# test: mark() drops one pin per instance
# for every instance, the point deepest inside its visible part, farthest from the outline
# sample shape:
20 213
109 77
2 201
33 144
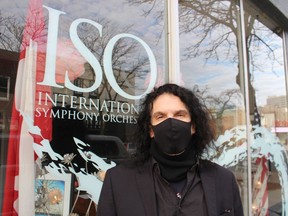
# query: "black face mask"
172 136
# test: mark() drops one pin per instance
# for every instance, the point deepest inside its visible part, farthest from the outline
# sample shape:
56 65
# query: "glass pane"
76 71
211 66
269 149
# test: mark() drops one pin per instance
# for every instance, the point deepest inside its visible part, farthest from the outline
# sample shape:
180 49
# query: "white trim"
247 105
285 55
172 31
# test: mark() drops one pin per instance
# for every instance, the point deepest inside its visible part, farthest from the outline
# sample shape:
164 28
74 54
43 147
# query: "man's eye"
180 114
159 117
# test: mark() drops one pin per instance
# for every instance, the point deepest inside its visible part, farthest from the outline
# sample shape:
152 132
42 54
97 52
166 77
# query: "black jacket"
129 191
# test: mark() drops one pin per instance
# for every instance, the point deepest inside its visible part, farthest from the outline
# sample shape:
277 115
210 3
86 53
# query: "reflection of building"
8 64
274 116
277 101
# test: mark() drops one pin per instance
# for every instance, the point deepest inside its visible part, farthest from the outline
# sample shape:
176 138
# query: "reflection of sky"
14 7
220 74
118 12
268 77
268 84
217 75
121 15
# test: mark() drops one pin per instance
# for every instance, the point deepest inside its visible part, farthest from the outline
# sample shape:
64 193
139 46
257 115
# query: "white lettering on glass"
109 70
50 64
85 52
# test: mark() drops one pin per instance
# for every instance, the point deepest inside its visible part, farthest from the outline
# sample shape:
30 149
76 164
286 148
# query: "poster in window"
53 195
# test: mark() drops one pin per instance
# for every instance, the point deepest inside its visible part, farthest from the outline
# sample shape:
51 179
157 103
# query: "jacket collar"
144 179
207 176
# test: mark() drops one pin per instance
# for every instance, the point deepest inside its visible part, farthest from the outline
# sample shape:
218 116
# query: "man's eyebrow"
158 113
176 112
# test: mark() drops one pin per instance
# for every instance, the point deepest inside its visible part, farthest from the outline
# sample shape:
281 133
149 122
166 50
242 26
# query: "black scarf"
174 168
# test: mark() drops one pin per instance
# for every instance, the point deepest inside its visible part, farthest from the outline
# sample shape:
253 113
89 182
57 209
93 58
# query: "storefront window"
214 66
269 147
73 74
79 70
209 47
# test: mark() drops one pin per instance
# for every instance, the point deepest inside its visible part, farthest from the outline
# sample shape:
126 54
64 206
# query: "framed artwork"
53 194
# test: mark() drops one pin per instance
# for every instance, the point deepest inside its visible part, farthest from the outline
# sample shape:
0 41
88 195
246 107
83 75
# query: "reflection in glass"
76 93
270 178
211 65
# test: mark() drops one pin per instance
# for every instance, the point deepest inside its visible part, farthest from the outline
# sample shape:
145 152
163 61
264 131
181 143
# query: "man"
168 176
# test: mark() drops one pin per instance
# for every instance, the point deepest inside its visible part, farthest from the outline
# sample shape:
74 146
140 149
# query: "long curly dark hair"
201 118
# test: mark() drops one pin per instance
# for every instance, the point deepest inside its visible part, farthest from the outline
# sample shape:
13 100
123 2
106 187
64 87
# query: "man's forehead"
168 101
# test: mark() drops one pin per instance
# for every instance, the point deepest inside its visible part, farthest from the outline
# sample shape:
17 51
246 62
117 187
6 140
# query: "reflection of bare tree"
11 32
225 100
129 60
17 31
205 17
220 18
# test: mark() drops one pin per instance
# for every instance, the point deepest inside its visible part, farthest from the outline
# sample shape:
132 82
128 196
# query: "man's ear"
151 132
193 130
